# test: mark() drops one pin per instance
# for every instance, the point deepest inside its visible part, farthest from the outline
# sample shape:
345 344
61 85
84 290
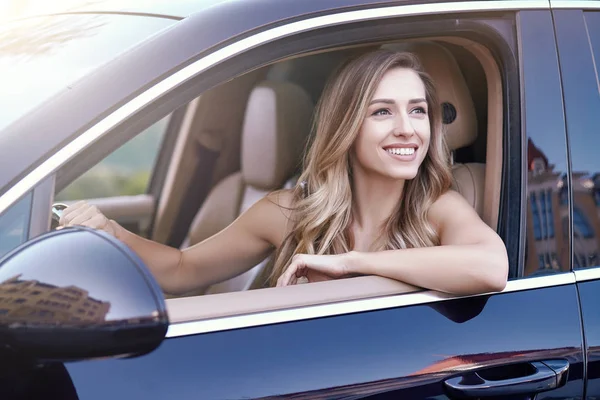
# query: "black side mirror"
78 293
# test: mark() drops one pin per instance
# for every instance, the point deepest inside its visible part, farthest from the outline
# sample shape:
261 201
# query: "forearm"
164 262
210 261
456 269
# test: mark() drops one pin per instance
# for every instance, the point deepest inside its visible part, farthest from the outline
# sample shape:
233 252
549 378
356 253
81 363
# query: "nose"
403 125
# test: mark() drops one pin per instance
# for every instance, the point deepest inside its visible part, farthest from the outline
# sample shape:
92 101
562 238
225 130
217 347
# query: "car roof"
180 9
170 8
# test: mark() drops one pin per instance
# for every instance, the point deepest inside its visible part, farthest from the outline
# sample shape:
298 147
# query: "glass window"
125 172
14 225
535 214
579 46
546 156
41 56
544 214
581 226
550 214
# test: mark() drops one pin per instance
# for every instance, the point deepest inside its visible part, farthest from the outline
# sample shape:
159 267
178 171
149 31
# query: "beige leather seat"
460 121
276 125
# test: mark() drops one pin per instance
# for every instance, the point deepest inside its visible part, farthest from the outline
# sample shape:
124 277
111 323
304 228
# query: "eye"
418 110
382 111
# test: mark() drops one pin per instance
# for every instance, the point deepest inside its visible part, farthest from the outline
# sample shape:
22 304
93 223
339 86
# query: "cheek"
361 142
425 135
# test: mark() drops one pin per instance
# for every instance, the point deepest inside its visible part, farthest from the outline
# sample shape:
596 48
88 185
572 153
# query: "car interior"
252 132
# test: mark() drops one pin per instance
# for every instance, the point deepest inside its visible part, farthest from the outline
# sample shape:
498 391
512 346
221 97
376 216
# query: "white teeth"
402 151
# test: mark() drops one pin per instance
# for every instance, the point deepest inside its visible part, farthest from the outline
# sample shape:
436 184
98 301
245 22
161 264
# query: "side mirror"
78 293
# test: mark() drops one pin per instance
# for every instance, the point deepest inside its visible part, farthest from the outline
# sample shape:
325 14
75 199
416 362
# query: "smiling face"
394 137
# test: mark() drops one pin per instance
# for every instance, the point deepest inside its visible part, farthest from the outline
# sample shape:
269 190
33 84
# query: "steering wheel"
57 210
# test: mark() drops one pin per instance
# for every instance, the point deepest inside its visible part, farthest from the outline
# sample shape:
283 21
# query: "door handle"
536 377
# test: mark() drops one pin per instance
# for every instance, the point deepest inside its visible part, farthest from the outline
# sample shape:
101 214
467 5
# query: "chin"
405 175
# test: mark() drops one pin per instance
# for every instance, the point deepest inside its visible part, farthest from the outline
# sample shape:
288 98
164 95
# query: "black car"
174 118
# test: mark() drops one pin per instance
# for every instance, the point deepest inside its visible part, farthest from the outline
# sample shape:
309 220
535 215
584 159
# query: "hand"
302 265
84 214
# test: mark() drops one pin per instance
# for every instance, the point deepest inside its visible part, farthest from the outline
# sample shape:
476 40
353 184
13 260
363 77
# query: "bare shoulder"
272 215
457 222
283 199
450 206
449 199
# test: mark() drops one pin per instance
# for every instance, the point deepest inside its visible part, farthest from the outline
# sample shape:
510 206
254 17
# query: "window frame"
168 94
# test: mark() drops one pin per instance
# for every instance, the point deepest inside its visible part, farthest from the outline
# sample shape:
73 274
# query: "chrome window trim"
94 133
349 307
589 274
577 4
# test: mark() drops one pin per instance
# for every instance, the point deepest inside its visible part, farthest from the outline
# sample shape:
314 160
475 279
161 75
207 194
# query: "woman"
374 199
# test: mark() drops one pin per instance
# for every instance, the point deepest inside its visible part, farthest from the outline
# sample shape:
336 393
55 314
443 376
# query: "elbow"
497 283
488 275
496 275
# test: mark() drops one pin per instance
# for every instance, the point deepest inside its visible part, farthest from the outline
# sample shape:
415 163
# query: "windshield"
41 56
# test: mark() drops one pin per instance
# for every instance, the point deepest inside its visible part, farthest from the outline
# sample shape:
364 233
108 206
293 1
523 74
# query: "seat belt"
196 193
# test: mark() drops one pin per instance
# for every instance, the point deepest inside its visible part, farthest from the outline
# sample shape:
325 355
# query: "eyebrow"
390 101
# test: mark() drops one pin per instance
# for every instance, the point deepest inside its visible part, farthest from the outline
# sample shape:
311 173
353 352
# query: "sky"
10 9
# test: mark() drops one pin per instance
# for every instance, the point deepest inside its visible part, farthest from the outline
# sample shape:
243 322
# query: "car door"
578 38
514 344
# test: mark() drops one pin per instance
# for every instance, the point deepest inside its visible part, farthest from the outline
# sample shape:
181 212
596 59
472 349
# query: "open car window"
481 151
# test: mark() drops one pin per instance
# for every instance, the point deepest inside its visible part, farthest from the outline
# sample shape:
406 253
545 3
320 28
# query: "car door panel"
405 352
589 293
578 45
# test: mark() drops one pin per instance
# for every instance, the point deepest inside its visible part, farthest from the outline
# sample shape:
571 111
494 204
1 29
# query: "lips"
401 146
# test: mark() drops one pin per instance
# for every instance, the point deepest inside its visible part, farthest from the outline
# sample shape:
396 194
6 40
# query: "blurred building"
33 301
548 217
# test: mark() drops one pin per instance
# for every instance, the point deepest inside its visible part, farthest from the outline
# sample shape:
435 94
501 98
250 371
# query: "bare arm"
234 250
471 258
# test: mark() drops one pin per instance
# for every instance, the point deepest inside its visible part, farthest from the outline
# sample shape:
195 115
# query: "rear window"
41 56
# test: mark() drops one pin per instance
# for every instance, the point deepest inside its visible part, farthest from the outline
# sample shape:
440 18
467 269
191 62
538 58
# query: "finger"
285 278
98 221
68 212
84 216
300 270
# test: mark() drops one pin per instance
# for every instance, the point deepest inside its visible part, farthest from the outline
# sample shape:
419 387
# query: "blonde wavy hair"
322 208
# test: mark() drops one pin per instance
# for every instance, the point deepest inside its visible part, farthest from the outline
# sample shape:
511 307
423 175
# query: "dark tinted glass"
547 243
14 225
578 37
41 56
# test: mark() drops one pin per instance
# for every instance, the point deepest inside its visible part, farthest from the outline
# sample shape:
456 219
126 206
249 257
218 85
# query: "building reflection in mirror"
34 302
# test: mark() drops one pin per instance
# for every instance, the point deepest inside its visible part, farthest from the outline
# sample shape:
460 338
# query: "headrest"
460 121
276 126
